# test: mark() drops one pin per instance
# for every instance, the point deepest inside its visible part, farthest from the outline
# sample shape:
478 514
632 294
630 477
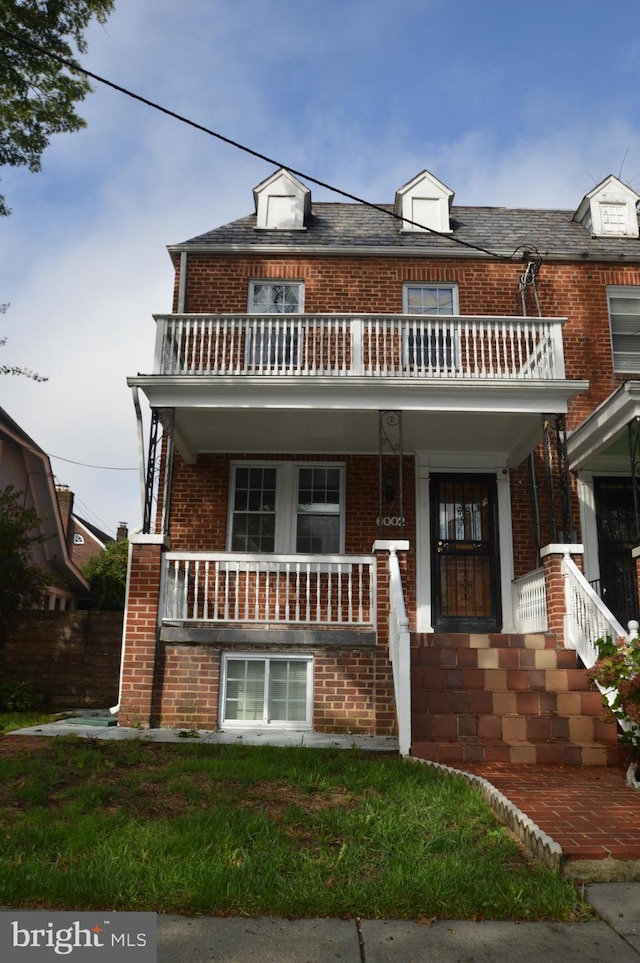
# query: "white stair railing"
587 618
400 652
530 602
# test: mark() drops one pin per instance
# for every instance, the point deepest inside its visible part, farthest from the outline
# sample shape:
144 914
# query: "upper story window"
287 508
78 539
624 317
430 299
273 345
428 346
276 297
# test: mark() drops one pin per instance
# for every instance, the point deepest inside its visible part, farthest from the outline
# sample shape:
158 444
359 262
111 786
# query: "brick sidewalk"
588 810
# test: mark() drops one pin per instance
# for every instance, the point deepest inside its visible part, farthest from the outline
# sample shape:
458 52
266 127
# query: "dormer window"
282 203
609 210
424 204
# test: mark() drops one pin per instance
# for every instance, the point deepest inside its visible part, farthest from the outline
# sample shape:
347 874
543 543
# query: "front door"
616 521
465 564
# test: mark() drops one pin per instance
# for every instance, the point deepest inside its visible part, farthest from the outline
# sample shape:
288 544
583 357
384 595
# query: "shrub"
618 668
19 697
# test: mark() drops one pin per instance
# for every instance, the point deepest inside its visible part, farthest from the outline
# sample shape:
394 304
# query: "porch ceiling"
601 439
329 431
333 415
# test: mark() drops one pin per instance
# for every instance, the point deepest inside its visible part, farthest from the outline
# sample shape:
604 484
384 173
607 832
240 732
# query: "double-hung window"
624 317
429 344
272 342
287 508
259 690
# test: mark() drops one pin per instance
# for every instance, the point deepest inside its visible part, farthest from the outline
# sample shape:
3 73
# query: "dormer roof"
424 203
282 202
609 210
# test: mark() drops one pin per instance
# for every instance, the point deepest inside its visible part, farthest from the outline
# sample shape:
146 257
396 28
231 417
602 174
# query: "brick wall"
353 688
73 658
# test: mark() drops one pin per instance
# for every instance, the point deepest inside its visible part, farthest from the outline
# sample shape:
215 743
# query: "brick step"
465 640
515 729
449 657
499 703
500 680
457 753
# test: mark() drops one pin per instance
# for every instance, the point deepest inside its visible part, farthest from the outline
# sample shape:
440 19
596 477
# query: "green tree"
22 583
106 573
38 94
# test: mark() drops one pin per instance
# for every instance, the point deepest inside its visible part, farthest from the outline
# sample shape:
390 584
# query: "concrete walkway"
616 937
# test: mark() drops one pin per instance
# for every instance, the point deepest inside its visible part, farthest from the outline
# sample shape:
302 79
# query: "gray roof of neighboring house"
499 230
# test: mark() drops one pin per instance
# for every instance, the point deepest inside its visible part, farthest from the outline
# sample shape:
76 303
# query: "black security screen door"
616 521
466 583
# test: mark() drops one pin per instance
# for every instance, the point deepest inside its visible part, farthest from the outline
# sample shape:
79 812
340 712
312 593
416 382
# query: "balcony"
368 346
317 382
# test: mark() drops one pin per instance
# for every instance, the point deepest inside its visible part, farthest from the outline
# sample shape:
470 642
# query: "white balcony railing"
408 346
336 590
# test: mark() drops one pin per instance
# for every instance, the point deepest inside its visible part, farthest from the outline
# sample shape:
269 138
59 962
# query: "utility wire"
84 465
72 65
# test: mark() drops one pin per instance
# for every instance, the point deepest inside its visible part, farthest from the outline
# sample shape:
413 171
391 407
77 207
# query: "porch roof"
341 416
601 440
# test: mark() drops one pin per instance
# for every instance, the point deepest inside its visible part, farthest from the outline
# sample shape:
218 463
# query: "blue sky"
513 104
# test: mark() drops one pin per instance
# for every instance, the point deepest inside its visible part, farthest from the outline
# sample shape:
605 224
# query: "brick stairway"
505 699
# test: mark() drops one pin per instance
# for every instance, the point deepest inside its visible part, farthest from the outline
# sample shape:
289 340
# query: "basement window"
259 691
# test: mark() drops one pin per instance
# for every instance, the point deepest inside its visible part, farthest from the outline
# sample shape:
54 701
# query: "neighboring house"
356 415
84 540
25 466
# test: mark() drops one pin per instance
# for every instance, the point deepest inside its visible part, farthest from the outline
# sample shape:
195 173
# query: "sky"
509 104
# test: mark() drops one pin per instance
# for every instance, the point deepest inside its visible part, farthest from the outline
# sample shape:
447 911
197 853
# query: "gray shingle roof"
499 230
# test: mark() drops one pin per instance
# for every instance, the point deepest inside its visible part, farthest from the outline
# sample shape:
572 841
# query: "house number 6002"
390 521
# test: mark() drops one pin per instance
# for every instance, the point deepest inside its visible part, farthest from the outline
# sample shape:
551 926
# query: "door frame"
464 463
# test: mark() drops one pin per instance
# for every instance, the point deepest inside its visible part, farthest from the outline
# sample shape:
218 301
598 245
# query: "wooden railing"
407 346
336 590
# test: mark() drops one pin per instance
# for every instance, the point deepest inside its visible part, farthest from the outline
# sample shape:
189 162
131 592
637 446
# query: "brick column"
552 556
139 683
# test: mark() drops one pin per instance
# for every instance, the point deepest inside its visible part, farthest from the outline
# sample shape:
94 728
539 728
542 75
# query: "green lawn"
193 828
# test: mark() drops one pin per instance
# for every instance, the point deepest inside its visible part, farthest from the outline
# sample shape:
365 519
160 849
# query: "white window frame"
78 539
286 502
265 722
272 283
629 293
436 285
445 357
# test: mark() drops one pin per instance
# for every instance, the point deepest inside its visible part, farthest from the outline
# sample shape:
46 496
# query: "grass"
10 721
241 830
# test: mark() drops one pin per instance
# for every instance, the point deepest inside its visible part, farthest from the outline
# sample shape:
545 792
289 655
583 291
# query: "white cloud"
320 88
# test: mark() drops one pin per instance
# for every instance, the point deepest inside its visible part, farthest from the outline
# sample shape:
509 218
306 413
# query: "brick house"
390 477
26 468
84 539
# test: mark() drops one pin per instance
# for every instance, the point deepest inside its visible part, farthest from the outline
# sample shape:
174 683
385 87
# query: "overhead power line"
72 65
84 465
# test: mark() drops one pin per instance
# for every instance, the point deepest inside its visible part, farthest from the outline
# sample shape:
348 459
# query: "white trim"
272 282
265 657
286 507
